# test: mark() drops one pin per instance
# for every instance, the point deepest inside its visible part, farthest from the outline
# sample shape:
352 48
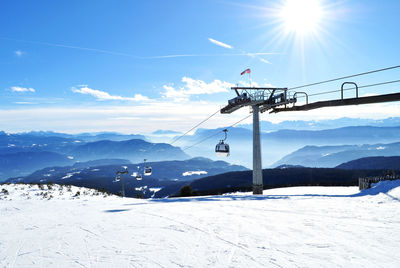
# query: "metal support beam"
257 168
123 186
276 100
260 99
340 102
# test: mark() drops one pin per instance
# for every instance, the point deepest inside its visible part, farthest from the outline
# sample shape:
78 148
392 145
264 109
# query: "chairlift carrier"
147 169
222 148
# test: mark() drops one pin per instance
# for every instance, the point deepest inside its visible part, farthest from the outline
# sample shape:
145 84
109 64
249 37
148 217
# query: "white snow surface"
198 172
69 175
286 227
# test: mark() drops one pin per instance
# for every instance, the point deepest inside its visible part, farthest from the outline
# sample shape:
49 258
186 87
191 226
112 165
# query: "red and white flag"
245 71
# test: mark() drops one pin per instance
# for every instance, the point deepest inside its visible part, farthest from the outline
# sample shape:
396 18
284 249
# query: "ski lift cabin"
222 148
147 169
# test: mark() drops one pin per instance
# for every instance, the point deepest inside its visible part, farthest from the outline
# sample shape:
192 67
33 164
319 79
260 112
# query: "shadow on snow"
382 187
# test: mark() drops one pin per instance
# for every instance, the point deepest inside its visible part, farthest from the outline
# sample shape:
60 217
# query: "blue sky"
138 66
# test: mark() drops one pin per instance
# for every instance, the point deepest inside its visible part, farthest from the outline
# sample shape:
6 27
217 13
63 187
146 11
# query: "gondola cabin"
147 171
222 149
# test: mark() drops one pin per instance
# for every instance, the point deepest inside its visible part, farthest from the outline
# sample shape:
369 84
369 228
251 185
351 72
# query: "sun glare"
301 16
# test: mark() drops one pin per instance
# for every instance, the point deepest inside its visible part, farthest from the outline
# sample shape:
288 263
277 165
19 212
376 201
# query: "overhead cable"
351 88
345 77
214 134
194 127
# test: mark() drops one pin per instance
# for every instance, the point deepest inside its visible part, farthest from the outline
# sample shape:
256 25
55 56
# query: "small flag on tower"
245 71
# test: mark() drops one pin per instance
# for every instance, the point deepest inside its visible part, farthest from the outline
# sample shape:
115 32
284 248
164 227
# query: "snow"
286 227
190 173
70 157
155 189
69 175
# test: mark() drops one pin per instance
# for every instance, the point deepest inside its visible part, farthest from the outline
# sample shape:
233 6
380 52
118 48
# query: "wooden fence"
365 183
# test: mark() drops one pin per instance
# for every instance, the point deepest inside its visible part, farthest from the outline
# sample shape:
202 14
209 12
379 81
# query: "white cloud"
140 97
22 89
265 61
102 95
370 111
151 116
24 102
219 43
18 53
195 87
141 118
244 83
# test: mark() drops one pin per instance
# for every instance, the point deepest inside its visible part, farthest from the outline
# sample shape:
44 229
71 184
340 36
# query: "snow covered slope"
287 227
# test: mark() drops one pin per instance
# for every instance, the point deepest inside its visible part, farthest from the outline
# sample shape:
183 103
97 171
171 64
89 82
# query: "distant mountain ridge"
23 163
332 156
61 151
278 144
326 124
134 150
165 173
375 162
95 136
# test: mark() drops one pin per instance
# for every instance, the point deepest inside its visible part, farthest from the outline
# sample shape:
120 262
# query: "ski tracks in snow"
233 231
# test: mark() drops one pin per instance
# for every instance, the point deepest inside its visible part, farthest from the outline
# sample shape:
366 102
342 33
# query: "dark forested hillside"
377 162
274 178
101 174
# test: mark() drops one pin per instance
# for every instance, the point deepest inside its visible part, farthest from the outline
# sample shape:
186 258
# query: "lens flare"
301 16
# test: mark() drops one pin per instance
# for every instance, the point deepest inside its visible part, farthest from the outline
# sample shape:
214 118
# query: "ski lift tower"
260 99
119 177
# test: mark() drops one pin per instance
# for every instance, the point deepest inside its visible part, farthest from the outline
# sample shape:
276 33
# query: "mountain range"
280 143
21 154
332 156
305 144
374 162
165 173
325 124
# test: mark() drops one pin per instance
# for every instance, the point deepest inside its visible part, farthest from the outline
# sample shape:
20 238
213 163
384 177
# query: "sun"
301 16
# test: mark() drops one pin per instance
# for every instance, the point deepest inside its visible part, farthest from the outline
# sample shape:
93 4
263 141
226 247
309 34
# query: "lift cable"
351 88
297 87
215 134
315 94
196 126
344 77
178 138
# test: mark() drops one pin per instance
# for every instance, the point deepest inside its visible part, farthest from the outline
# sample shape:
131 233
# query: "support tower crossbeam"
260 99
